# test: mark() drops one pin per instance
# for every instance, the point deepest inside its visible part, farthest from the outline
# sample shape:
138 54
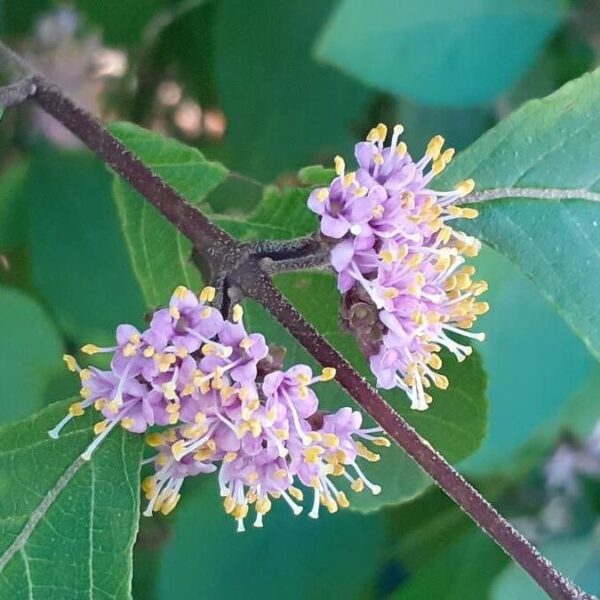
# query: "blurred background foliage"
267 87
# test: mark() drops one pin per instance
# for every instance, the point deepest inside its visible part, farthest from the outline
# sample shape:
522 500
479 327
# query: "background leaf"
81 546
30 354
277 100
453 54
79 260
321 569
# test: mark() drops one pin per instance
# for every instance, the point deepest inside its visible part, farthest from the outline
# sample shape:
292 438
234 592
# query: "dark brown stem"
239 267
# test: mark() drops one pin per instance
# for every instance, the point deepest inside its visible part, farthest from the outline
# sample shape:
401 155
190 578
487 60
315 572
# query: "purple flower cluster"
228 409
399 264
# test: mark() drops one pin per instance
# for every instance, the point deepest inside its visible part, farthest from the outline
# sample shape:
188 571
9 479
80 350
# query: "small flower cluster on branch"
223 404
407 292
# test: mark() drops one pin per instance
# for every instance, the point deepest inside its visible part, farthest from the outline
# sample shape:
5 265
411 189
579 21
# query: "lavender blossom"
392 249
227 408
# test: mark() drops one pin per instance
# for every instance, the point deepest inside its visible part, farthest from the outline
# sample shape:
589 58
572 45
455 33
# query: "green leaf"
76 543
160 255
455 54
280 104
577 559
121 23
281 560
464 572
316 175
30 355
549 143
281 214
13 207
79 258
535 363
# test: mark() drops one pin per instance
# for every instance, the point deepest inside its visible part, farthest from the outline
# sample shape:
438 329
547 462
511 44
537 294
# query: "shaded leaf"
30 354
300 558
79 259
278 101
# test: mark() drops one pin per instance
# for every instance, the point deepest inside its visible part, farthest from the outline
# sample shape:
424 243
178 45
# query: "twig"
241 264
16 93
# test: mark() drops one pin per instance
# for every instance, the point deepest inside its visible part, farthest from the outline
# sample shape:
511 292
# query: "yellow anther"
322 194
358 485
100 403
435 147
180 292
263 505
181 352
76 409
85 374
149 352
149 486
100 427
340 165
441 381
280 474
90 349
447 155
164 361
330 503
240 511
311 455
246 343
342 500
154 440
479 288
229 457
438 166
435 362
294 492
465 188
387 256
178 449
361 191
470 213
401 150
129 350
229 504
70 362
127 423
382 441
170 503
349 179
174 312
382 130
200 418
378 159
328 373
237 313
480 308
390 293
207 294
330 440
363 451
